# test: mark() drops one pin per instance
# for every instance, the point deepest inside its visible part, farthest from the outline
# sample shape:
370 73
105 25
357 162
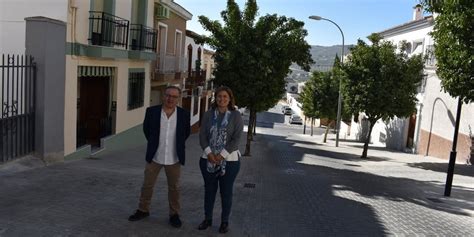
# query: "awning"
93 71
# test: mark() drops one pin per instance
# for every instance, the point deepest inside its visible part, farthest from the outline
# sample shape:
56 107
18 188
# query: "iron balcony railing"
142 37
169 64
108 30
197 77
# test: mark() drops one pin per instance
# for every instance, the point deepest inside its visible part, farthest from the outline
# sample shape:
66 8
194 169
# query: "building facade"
169 67
120 55
429 131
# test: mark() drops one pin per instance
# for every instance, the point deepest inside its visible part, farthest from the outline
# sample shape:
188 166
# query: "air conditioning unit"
161 12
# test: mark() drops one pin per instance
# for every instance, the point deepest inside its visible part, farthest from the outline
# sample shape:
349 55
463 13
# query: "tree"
306 98
453 34
320 95
325 97
380 82
253 57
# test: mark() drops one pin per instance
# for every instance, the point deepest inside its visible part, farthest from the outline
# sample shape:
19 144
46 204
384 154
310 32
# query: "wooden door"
94 102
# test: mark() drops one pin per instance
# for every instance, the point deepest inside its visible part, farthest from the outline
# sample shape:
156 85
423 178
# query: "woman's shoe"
204 224
224 227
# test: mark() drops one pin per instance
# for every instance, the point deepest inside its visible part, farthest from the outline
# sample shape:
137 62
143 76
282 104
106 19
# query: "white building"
117 53
430 130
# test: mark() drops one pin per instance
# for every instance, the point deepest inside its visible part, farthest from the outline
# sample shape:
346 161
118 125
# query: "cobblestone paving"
292 185
310 189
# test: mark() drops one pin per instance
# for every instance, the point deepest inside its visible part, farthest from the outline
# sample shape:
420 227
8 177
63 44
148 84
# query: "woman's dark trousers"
226 185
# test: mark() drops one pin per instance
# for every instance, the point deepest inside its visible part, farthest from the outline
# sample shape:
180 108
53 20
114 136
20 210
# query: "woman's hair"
231 105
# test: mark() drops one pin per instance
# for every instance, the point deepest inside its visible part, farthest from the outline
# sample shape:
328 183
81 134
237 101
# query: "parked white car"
288 111
295 119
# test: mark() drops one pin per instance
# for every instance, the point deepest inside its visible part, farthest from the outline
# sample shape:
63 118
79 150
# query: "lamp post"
339 99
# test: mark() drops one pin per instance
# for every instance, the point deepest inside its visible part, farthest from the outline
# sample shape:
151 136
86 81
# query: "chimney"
417 12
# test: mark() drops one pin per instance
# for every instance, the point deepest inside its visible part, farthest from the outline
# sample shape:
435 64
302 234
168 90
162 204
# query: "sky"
356 18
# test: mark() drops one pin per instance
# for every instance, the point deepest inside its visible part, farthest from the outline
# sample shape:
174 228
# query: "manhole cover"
249 185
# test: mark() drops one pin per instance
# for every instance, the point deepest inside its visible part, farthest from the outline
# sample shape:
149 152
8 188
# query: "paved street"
292 185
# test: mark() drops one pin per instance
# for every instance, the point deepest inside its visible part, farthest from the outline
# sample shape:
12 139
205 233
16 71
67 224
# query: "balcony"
108 30
197 76
142 38
166 64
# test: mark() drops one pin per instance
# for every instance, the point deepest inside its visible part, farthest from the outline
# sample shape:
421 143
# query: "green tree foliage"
253 57
381 82
325 97
306 98
453 34
320 95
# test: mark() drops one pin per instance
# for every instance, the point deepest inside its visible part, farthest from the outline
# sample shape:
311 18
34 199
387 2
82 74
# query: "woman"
219 138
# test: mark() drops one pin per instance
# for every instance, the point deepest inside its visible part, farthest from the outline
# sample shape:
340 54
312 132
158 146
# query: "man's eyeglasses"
171 96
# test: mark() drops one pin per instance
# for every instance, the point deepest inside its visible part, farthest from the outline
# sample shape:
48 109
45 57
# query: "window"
177 43
136 89
417 47
430 56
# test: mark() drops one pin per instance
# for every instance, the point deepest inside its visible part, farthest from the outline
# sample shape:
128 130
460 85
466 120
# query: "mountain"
324 55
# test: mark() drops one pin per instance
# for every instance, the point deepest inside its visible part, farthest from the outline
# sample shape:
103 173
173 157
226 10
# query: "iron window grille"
136 89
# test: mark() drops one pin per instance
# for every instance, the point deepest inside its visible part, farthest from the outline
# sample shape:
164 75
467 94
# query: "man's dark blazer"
151 129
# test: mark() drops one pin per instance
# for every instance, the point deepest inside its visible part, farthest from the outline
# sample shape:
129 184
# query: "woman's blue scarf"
217 141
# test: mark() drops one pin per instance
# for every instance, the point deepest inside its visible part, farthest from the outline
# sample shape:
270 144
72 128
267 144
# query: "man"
166 128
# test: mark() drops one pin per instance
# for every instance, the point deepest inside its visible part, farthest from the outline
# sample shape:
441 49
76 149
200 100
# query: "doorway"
94 121
411 131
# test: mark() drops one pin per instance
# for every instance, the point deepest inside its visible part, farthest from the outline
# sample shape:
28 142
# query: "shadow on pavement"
325 153
368 185
298 200
459 169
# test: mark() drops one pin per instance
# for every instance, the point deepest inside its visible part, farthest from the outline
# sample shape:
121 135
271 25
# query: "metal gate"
17 98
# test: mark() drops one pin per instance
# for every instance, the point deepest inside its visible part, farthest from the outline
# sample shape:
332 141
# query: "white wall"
12 20
190 41
125 118
439 111
195 118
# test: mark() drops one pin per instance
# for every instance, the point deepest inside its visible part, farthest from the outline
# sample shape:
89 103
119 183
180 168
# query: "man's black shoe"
138 215
175 221
224 228
204 224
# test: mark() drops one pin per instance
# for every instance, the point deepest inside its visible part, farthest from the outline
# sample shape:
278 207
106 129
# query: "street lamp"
339 99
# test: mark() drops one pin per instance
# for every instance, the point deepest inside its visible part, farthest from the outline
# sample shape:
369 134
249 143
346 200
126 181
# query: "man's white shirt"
166 153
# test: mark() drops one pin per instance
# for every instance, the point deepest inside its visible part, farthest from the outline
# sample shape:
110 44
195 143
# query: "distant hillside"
324 55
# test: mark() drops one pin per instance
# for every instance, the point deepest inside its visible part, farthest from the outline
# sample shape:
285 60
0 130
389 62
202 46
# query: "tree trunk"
254 125
312 123
252 121
304 126
327 130
366 144
249 134
326 133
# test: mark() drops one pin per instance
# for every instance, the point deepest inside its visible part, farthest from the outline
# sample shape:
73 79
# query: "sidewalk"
293 185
